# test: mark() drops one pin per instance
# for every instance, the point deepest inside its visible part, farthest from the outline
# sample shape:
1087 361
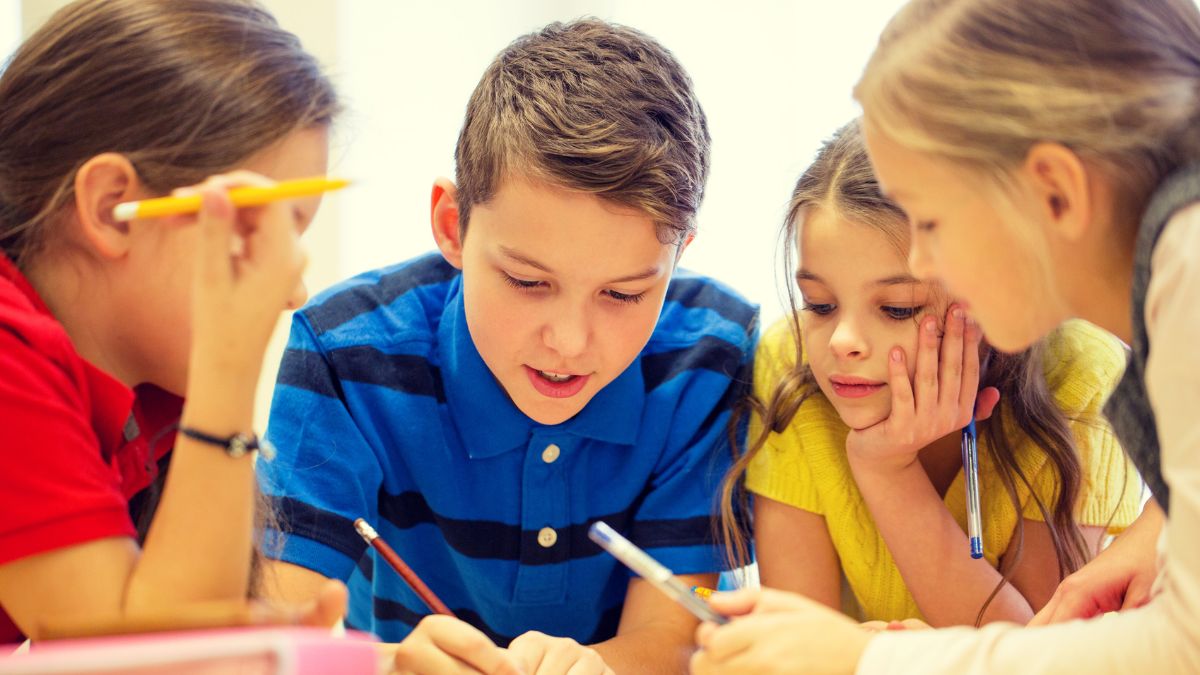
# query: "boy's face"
562 290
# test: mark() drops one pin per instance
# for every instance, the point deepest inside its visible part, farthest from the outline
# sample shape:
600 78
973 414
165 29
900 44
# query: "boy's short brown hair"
589 106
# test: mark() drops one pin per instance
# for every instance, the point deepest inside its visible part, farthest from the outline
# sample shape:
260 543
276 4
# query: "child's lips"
855 387
555 384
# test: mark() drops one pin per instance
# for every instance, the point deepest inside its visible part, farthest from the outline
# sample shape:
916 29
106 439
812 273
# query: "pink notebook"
245 651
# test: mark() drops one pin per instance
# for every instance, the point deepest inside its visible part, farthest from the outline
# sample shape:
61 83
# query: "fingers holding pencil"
443 644
247 267
440 643
250 194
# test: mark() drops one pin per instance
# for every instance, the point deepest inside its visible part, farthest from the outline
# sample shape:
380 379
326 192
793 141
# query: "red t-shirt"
74 442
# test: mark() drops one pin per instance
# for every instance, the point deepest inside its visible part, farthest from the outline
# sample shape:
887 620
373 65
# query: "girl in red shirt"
107 326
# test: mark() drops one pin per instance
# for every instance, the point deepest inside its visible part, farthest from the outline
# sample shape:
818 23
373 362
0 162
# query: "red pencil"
410 577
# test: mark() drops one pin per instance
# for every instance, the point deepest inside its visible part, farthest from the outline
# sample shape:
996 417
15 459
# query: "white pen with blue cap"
970 456
652 571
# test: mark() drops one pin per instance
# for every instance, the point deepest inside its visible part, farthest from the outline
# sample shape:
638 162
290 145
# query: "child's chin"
550 415
862 419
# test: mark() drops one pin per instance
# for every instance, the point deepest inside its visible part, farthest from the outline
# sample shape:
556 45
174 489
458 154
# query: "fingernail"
930 326
897 355
957 312
217 204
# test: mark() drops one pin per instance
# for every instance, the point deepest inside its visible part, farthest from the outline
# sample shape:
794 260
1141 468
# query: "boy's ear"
444 221
100 184
687 241
1059 180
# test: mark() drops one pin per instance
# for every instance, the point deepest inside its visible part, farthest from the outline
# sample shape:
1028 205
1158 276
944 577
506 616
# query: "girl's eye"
631 298
925 225
818 309
520 284
900 313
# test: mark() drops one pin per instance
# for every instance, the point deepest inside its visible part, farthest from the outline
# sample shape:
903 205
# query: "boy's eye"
818 309
900 313
925 225
520 284
631 298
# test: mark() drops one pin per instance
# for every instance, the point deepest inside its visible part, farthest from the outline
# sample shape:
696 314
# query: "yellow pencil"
242 196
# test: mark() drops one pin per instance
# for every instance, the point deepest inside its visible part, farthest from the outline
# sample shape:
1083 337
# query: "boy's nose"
567 332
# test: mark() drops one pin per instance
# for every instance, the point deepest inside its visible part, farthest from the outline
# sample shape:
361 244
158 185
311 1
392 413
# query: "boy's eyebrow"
648 273
645 274
524 260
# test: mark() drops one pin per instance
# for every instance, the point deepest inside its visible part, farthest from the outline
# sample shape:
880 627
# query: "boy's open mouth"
555 385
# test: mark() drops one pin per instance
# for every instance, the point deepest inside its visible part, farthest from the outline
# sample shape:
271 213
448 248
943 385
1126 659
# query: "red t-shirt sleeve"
56 487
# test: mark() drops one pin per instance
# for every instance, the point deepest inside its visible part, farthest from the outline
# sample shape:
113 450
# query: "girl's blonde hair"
841 182
981 81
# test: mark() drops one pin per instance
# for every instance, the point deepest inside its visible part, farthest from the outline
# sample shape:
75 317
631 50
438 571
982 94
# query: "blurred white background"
774 77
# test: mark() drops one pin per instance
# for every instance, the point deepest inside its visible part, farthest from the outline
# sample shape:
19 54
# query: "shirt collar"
111 400
9 271
487 420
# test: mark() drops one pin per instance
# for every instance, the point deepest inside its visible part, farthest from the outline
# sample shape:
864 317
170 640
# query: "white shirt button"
550 454
547 537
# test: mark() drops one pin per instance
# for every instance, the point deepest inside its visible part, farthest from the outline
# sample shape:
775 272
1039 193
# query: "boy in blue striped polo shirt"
548 367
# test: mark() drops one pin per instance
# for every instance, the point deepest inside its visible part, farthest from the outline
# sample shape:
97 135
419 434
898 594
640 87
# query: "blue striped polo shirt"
385 410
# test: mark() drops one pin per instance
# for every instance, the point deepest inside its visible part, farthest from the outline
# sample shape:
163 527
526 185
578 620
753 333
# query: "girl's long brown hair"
841 180
183 88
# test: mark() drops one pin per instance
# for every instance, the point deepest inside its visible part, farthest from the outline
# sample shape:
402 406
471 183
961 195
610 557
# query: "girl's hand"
542 654
247 267
906 624
322 612
939 400
777 632
443 644
1121 577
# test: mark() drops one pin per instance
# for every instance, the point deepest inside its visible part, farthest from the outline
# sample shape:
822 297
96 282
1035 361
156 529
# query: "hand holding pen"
440 643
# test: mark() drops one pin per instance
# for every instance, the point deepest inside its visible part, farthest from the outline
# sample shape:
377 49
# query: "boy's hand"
939 400
1121 577
777 632
542 654
443 644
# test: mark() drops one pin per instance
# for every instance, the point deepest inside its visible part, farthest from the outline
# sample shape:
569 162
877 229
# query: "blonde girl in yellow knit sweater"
854 456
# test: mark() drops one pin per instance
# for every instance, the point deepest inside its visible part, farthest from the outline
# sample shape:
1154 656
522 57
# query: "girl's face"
996 260
157 285
859 301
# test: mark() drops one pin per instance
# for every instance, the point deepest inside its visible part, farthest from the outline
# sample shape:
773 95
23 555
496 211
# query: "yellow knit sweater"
805 466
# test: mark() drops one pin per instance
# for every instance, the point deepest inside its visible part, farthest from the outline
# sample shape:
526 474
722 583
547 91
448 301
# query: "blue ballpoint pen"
970 456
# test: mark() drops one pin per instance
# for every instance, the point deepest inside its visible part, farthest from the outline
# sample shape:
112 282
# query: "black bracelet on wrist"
237 445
